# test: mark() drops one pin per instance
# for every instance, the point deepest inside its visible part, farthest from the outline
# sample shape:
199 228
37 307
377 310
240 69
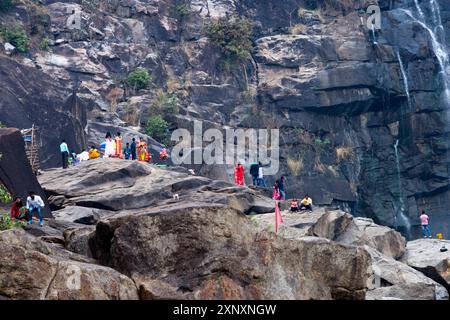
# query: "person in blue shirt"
133 149
64 154
127 152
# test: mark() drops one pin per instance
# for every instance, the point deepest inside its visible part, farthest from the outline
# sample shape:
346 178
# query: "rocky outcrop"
215 253
395 280
426 256
364 231
15 170
117 185
338 226
32 269
335 90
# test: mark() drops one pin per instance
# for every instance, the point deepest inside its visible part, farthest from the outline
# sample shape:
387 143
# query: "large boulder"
364 231
32 269
15 170
392 279
216 253
425 256
117 185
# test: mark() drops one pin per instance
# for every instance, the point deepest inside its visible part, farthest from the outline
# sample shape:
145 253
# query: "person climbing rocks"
281 186
18 211
110 148
261 182
118 145
276 195
424 221
254 172
306 203
35 203
294 205
93 153
64 154
133 149
239 174
127 151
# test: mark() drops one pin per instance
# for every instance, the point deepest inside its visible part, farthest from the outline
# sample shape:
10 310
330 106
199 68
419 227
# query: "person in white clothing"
35 203
260 180
83 156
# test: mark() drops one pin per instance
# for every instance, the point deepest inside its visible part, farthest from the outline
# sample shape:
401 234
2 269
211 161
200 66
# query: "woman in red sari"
239 174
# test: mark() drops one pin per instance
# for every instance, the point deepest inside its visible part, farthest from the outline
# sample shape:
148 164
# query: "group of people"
256 171
279 191
34 204
113 148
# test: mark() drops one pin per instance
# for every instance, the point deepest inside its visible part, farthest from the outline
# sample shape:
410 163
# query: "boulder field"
119 233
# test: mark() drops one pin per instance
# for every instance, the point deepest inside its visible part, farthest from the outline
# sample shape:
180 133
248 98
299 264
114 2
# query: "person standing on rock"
35 203
281 186
254 171
239 174
260 180
424 221
64 154
110 148
118 141
127 151
133 149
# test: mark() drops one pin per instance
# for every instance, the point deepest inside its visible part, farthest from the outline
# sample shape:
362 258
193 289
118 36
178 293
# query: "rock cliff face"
340 99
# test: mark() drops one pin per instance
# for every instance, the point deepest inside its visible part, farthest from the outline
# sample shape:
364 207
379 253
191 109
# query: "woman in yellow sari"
142 150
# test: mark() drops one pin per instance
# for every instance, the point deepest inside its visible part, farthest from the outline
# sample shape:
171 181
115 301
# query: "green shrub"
158 128
233 35
181 11
17 37
5 5
44 45
5 196
138 79
2 125
6 223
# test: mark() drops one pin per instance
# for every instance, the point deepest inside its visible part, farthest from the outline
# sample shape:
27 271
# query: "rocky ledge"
130 230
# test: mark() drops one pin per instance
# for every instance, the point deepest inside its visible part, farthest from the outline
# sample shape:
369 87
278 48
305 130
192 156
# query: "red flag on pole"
278 219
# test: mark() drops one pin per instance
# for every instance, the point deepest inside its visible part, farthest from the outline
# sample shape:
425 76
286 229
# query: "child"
127 151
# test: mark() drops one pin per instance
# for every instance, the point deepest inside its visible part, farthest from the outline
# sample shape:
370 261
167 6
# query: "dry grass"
344 153
295 165
113 97
298 29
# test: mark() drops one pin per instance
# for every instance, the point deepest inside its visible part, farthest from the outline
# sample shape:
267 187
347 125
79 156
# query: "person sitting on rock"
35 204
294 205
83 156
93 153
73 157
18 211
163 154
306 203
424 221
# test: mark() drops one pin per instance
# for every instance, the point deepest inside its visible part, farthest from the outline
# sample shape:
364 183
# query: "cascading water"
405 80
437 35
400 214
374 36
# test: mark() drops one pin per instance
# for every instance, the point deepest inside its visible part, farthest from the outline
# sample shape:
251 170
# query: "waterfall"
405 80
374 36
401 211
436 31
